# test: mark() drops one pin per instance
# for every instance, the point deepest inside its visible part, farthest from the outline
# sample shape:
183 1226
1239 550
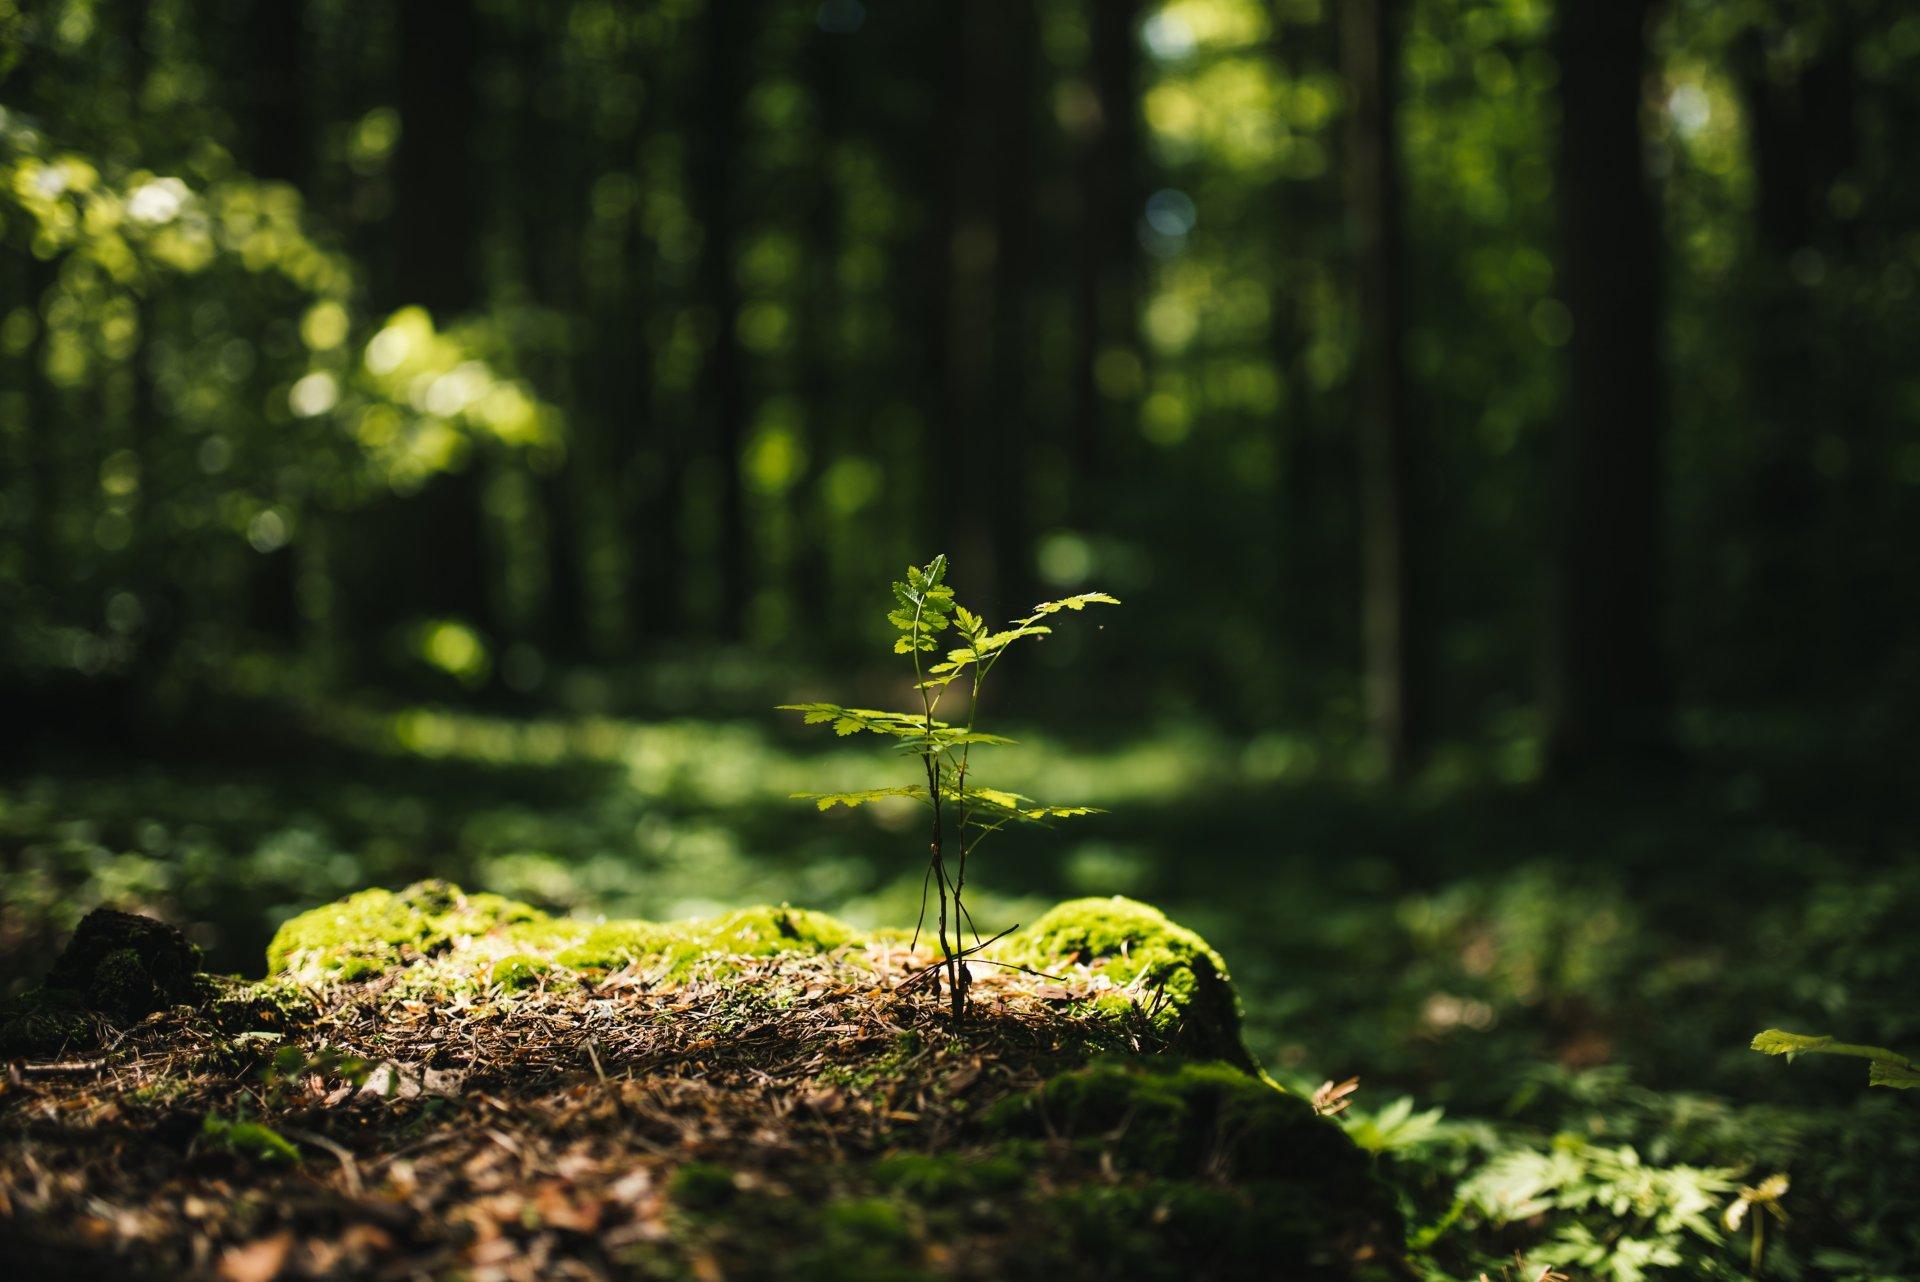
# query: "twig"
68 1066
961 957
619 1105
349 1170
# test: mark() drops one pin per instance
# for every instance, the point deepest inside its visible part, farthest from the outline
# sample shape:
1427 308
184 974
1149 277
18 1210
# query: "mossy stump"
120 966
761 1094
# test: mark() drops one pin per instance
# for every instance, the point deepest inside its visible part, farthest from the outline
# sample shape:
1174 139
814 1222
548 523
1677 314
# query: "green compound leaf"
828 800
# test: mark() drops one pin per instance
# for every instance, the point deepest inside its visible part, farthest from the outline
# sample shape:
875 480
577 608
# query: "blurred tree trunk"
729 27
434 227
1608 693
551 176
810 554
45 555
1315 609
1003 469
982 424
1798 88
278 139
1392 629
278 128
653 456
1106 286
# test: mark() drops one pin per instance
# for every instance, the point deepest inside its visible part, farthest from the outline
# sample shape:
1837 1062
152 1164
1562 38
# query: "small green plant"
923 608
1884 1067
244 1137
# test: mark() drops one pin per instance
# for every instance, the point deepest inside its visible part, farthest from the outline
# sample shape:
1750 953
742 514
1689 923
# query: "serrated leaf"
828 800
1778 1042
848 721
1079 602
1900 1077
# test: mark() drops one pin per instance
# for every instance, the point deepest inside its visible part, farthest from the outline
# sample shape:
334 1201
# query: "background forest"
433 434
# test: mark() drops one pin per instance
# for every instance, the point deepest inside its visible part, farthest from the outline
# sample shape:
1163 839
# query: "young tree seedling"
923 608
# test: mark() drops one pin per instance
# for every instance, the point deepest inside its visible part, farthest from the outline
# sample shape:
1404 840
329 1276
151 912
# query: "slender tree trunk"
655 463
729 29
278 123
552 174
1314 612
809 573
278 139
47 550
1396 695
1608 695
1005 467
1106 288
1802 140
435 198
982 425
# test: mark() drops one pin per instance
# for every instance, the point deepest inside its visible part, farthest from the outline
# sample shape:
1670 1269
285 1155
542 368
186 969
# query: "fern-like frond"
1080 602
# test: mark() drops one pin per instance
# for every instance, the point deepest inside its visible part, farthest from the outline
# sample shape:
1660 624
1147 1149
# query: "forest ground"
1547 997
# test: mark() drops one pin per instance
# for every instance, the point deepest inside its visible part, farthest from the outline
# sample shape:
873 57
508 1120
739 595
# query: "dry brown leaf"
258 1261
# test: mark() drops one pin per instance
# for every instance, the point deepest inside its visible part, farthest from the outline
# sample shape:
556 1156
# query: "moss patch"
376 930
1161 967
1241 1177
481 939
44 1022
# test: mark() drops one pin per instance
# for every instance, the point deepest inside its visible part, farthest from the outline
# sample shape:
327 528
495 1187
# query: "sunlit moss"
483 938
1167 970
375 930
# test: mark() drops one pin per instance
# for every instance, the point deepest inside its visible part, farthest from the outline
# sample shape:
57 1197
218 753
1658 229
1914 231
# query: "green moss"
122 985
248 1139
1162 1230
1232 1172
1183 1118
614 944
520 970
276 1003
942 1176
764 931
157 1094
45 1022
1172 974
862 1239
702 1186
376 930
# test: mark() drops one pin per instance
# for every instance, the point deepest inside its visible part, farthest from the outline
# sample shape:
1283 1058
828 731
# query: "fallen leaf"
257 1261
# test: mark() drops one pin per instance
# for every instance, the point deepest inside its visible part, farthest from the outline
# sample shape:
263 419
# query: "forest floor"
1547 995
803 1114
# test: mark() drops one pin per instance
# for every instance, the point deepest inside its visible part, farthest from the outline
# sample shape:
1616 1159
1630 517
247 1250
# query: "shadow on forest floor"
1449 940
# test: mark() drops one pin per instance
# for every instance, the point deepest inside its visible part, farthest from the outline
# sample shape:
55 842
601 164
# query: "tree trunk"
1396 696
277 123
278 140
1106 290
1005 465
729 28
435 196
1608 694
977 440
